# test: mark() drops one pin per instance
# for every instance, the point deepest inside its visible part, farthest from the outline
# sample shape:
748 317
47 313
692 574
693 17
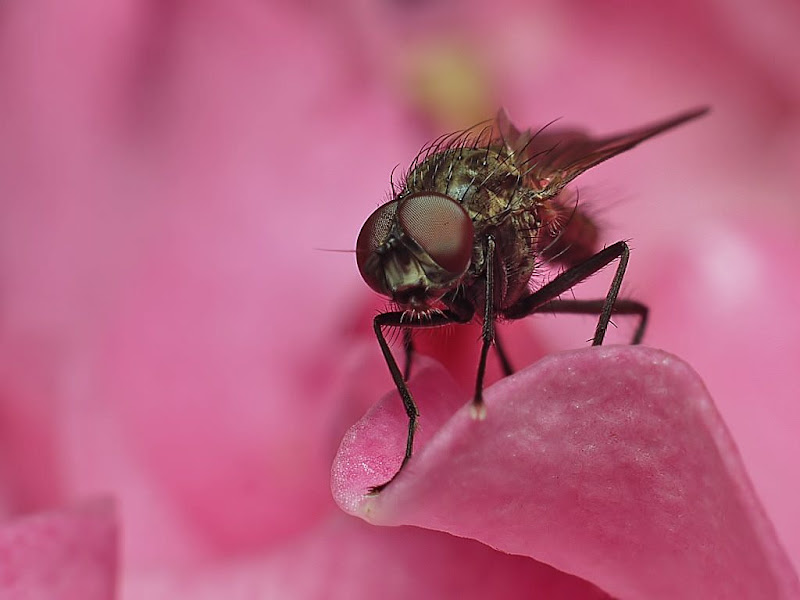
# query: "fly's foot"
477 411
376 489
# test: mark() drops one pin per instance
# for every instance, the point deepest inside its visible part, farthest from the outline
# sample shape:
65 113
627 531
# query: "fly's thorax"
484 180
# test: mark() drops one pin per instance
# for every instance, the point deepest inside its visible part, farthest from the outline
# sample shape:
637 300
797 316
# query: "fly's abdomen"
568 236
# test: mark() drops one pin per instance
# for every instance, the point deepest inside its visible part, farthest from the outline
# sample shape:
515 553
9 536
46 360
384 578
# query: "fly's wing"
550 159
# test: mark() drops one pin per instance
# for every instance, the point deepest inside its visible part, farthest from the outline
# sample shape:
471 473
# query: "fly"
475 214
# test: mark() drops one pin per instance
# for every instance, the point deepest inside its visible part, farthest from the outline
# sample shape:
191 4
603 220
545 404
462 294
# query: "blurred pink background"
171 334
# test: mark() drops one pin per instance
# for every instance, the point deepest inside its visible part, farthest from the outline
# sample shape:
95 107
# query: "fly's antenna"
391 181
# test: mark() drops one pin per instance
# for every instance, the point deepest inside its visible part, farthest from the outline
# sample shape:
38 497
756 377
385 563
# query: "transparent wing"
551 158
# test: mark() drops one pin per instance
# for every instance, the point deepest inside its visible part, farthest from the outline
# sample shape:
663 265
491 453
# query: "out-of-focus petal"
68 555
611 464
162 295
347 559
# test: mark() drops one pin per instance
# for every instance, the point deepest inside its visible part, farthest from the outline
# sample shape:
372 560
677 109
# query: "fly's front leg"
395 319
547 294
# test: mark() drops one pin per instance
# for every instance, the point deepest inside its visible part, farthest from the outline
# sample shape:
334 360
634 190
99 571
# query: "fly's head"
414 249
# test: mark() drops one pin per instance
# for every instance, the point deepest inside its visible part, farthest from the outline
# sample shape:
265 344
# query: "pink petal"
65 555
746 316
347 559
611 464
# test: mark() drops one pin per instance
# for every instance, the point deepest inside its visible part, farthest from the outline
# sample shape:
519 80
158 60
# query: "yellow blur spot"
450 85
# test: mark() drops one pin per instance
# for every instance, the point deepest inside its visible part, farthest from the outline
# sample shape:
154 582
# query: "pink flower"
171 336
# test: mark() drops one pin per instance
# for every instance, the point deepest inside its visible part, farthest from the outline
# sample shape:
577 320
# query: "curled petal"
609 463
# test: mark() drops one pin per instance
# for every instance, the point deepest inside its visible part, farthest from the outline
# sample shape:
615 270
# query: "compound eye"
441 227
372 235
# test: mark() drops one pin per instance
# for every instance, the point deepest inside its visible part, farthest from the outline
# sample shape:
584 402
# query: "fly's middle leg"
408 349
487 332
505 363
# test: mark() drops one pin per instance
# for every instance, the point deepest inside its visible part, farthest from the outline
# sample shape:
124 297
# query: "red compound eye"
373 234
441 227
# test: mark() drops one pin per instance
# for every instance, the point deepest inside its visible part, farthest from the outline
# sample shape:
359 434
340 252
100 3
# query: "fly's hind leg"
595 307
547 295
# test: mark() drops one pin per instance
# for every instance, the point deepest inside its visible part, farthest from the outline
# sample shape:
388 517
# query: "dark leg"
478 409
408 346
502 355
570 278
595 307
395 319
